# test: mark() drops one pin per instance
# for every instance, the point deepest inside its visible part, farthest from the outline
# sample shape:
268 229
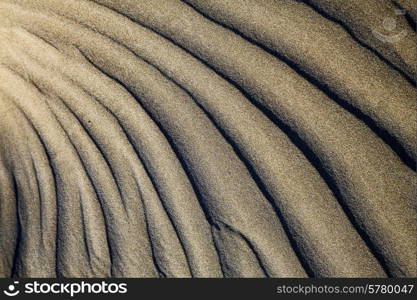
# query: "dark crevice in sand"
53 171
85 239
223 267
16 257
41 38
154 258
38 187
248 243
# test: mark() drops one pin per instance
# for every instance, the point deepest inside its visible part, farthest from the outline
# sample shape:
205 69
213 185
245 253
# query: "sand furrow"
206 139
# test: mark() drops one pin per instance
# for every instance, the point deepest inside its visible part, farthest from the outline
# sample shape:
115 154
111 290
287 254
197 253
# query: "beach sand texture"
220 138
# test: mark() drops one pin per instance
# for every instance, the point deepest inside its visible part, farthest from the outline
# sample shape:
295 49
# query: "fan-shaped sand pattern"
248 138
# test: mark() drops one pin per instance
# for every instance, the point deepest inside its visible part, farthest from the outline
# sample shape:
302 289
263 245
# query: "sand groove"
206 139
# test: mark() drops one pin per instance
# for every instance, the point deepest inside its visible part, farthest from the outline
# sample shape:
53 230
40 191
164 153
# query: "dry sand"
247 138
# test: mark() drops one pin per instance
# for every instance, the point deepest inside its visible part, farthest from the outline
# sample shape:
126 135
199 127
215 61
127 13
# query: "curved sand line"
173 139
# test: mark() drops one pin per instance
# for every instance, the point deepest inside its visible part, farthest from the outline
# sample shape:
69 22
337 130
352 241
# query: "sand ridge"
205 139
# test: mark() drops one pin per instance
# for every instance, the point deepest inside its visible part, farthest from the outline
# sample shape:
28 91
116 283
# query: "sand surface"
220 138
